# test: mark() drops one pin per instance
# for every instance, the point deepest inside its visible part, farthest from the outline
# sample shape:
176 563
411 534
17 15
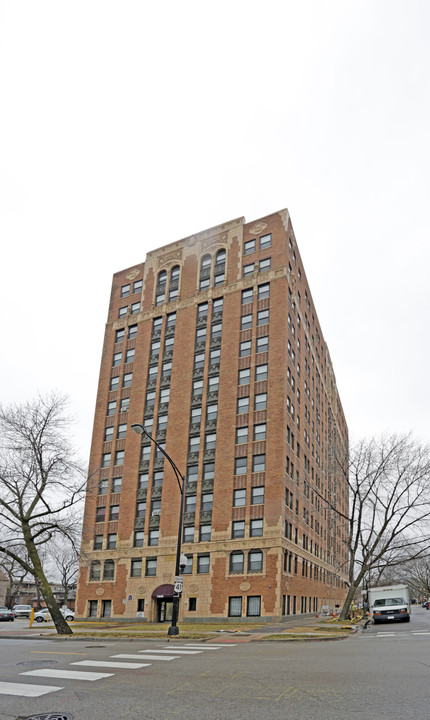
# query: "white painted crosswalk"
87 668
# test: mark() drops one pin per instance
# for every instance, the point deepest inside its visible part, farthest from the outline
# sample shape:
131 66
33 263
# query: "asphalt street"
381 673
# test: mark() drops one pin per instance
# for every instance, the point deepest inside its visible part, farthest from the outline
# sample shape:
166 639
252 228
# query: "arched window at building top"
162 278
174 273
220 257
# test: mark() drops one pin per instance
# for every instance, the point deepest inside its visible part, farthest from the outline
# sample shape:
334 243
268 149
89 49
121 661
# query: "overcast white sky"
128 125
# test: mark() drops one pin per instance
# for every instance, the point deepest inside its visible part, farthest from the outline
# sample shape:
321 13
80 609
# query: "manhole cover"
48 716
31 663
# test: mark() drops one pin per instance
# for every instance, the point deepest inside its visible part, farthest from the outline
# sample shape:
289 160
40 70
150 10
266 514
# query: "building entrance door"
164 610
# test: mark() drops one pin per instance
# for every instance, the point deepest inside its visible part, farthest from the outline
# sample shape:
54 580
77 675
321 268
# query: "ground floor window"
192 604
235 607
92 611
253 606
294 604
106 608
141 605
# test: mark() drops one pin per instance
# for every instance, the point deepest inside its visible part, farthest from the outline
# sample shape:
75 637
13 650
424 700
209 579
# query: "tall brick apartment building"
213 343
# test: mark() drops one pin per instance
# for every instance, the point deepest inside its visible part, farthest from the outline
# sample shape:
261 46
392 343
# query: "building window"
243 405
257 495
95 570
202 311
247 296
111 408
248 269
138 538
108 570
240 466
106 457
100 514
119 457
117 359
205 533
219 279
197 387
164 395
113 512
157 478
153 537
264 265
235 607
249 247
116 484
241 435
192 604
92 608
135 308
239 497
210 441
204 283
189 534
168 344
253 605
132 332
245 348
143 481
125 291
207 501
124 404
136 567
263 291
155 507
122 312
262 317
246 322
211 412
127 379
199 360
103 486
194 444
111 541
260 432
265 241
258 463
196 415
261 372
188 569
203 564
206 262
263 344
213 383
190 503
106 608
208 471
114 383
244 376
216 330
98 542
141 509
215 357
129 356
217 305
119 335
192 473
260 401
171 321
166 369
236 561
137 286
122 430
255 561
108 433
151 567
256 528
238 529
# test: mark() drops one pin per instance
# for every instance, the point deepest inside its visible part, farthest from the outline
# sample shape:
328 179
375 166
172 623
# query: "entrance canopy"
163 592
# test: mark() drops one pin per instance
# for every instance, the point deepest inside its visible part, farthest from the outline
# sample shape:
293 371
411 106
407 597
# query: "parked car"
41 615
22 610
6 614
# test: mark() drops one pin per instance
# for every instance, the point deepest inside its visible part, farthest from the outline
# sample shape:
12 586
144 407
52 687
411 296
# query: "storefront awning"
165 592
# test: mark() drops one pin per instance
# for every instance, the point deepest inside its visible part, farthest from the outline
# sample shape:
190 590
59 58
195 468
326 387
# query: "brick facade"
264 494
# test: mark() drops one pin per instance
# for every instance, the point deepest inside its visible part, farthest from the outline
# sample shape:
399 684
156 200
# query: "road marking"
7 688
110 664
195 647
416 632
67 674
52 652
148 657
179 652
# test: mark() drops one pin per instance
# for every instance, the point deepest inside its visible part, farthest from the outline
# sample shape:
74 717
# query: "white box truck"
389 603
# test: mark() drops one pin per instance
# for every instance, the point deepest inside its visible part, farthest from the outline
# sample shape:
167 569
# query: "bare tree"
66 561
389 485
41 482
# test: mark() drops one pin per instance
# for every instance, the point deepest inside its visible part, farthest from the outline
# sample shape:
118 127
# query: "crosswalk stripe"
9 688
416 632
179 652
196 647
67 674
148 657
110 664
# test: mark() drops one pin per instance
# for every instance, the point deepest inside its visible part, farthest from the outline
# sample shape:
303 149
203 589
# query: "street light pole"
181 559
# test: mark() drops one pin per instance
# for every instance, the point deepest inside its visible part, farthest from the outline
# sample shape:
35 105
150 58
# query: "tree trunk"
60 623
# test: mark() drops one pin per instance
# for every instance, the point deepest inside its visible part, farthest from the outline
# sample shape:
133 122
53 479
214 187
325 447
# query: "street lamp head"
138 428
182 562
